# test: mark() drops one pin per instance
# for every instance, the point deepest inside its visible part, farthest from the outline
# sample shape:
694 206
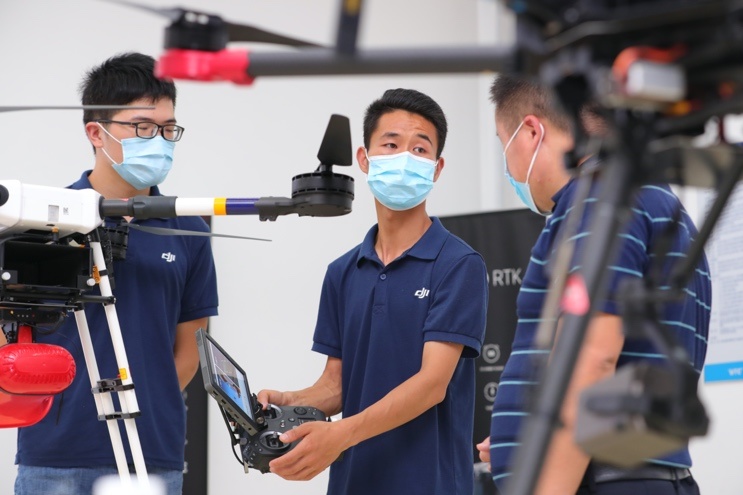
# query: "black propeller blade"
195 30
173 13
336 147
78 107
164 231
241 32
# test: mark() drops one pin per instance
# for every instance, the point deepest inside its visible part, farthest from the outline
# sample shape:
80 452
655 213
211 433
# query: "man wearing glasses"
165 289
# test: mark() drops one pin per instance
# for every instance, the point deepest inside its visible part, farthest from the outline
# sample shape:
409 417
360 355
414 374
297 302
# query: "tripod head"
667 66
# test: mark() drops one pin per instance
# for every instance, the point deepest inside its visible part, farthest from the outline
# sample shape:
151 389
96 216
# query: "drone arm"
319 61
242 67
143 207
271 207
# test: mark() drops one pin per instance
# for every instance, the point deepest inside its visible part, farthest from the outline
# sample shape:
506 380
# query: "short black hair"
120 80
516 97
411 101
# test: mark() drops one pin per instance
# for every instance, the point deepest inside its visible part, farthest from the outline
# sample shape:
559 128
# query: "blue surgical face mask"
145 163
523 191
400 181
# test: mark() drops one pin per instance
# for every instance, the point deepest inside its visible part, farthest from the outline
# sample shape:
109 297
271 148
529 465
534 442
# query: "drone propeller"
336 147
241 32
195 30
164 231
322 192
79 107
172 13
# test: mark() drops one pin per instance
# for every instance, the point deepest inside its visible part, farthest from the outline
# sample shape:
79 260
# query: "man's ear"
94 132
533 127
362 159
439 168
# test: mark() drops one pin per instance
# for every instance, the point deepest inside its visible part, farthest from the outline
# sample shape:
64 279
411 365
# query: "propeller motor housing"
322 194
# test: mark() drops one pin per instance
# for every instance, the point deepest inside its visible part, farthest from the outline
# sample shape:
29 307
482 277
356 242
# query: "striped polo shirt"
653 212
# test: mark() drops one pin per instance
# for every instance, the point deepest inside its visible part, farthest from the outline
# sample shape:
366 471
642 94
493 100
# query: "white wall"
717 465
716 456
249 142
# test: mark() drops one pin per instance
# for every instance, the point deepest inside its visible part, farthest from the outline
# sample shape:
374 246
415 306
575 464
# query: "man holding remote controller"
401 317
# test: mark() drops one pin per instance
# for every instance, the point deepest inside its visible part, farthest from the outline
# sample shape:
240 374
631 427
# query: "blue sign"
719 372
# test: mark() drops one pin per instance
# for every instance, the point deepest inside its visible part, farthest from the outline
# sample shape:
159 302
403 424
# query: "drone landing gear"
122 385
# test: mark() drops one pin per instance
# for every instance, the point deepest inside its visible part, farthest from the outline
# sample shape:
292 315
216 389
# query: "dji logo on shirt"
421 293
169 257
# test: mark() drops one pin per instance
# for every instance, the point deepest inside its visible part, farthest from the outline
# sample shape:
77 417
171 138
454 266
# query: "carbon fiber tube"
322 61
139 207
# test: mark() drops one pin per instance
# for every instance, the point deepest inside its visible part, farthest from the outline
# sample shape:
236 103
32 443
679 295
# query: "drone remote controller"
260 449
258 429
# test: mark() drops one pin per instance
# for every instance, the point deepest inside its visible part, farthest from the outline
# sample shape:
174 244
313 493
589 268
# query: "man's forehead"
161 109
400 122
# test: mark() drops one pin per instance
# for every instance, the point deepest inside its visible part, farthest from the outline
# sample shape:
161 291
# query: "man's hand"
484 449
324 395
266 397
322 443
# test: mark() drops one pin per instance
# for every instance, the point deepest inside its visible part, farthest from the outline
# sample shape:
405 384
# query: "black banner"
504 239
194 471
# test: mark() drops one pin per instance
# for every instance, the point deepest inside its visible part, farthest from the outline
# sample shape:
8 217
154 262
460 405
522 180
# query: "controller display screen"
229 379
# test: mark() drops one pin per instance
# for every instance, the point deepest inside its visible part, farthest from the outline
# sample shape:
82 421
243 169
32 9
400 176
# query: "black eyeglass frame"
160 128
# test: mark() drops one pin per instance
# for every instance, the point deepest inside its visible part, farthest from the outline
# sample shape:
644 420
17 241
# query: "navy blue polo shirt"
688 320
376 318
164 280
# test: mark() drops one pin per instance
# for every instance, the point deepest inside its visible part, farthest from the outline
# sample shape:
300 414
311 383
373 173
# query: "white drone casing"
32 207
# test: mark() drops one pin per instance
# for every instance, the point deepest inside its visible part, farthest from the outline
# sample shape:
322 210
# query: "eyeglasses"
148 130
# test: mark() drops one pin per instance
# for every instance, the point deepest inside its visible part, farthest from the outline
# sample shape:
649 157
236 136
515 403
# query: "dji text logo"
421 293
169 257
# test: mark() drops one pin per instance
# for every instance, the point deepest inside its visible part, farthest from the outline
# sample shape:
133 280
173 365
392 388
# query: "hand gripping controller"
264 446
256 430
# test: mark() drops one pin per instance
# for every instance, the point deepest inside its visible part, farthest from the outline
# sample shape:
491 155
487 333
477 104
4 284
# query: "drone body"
25 207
